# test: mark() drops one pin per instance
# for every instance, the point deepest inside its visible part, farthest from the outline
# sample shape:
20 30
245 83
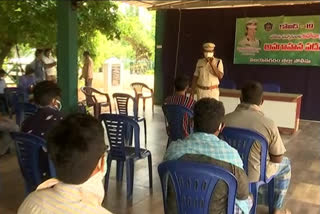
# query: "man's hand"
80 77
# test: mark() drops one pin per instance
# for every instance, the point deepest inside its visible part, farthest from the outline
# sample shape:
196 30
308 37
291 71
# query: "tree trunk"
4 51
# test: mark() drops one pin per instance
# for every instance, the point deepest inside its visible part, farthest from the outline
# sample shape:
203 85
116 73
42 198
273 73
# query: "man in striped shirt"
77 148
181 85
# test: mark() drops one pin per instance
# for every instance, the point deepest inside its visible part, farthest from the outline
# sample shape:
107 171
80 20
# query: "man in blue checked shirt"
204 146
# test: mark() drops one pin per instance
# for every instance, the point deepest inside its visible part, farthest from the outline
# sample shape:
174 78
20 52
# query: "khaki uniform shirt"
207 78
87 70
245 42
251 117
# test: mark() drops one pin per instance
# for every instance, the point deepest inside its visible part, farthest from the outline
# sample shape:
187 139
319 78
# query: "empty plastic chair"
139 89
117 127
271 87
194 184
122 101
243 140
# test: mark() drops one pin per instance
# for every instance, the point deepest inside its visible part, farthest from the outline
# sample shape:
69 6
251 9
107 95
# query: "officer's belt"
207 87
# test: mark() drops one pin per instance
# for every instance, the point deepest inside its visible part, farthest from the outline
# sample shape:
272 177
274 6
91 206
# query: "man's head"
47 52
2 73
181 84
76 146
86 54
251 28
29 69
47 93
252 93
38 53
208 115
208 49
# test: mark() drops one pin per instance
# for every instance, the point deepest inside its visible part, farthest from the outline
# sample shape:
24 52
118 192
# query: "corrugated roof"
202 4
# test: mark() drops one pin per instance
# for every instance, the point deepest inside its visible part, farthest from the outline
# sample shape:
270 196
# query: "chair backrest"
28 147
194 184
174 115
118 127
90 98
271 87
122 101
242 140
230 84
138 87
23 111
13 96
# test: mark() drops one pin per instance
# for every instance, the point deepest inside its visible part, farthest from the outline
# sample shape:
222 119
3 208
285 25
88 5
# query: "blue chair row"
243 140
23 111
117 127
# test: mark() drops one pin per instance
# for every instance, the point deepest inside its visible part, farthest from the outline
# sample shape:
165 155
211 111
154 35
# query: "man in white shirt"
77 148
49 65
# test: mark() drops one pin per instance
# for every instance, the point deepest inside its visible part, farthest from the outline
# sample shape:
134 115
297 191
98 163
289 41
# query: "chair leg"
145 133
150 170
120 170
271 196
152 104
144 104
110 108
254 190
130 172
106 179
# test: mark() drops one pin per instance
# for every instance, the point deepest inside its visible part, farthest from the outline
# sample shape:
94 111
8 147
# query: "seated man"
208 114
46 96
76 146
249 115
181 85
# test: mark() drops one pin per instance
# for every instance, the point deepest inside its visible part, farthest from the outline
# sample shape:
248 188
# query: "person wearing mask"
208 73
78 151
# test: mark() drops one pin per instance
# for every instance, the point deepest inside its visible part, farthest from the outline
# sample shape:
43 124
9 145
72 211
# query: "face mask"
208 54
95 185
58 105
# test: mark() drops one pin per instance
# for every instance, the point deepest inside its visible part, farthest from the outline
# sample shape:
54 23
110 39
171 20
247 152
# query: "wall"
218 25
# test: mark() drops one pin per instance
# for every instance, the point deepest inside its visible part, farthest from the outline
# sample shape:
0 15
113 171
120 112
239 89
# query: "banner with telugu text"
282 40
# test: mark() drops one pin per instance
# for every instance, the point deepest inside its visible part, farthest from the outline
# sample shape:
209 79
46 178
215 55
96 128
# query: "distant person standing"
50 65
3 85
38 66
27 81
87 69
208 73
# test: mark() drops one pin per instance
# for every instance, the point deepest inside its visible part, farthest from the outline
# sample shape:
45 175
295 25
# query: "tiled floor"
303 196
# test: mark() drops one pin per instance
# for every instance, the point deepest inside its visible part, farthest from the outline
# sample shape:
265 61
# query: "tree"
34 22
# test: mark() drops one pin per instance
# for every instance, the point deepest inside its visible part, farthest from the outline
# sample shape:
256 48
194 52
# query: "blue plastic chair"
13 96
194 184
271 87
28 147
122 101
23 111
174 115
243 140
117 127
225 83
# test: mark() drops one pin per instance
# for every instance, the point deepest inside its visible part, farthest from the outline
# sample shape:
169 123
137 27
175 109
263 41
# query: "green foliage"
34 22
